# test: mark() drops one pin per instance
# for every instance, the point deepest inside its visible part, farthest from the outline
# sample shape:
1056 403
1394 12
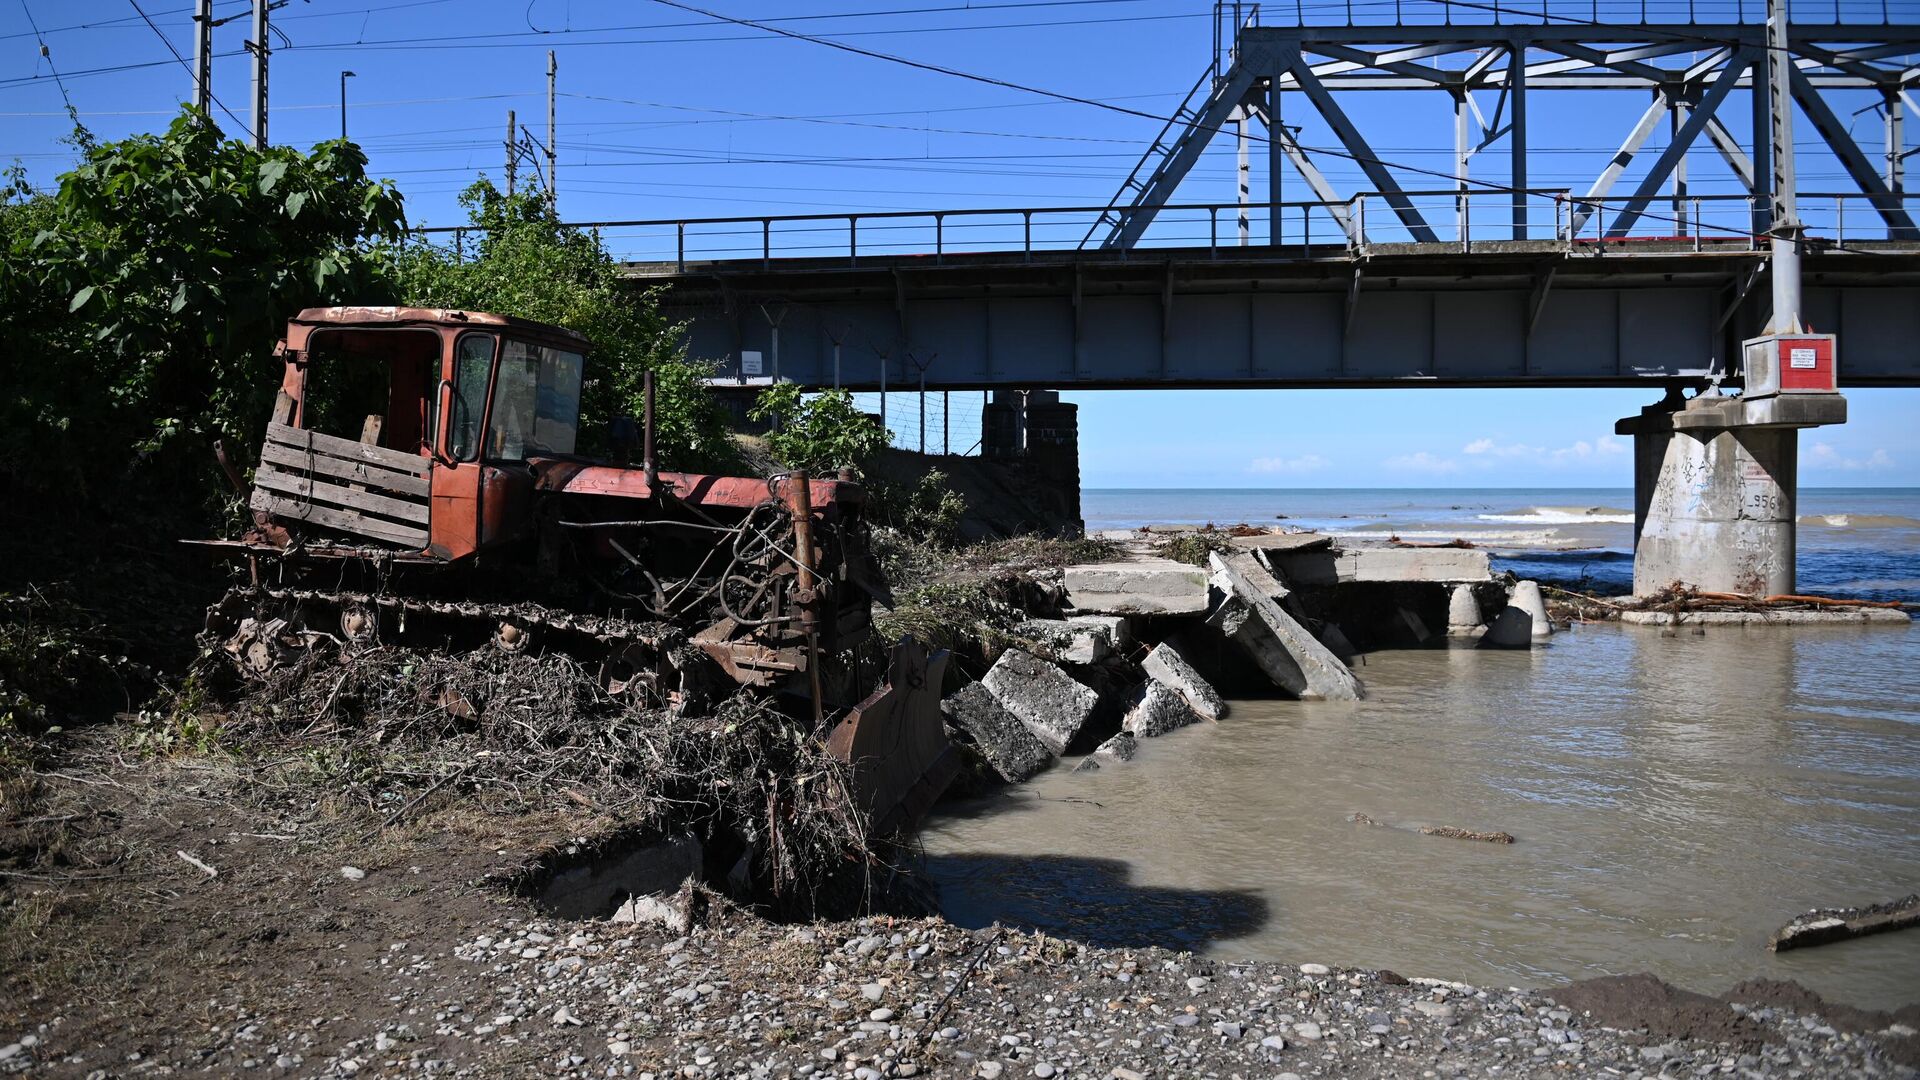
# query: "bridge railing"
1465 220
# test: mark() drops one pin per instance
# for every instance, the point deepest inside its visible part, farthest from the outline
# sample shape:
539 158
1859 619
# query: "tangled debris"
517 732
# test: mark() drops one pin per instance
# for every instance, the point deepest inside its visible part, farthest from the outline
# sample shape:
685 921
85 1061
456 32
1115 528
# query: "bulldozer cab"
412 428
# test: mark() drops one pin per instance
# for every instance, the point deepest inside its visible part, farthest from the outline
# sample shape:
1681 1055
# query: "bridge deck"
1507 313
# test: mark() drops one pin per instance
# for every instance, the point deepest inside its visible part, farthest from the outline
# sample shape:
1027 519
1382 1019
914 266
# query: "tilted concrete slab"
1010 750
1155 710
1281 542
1046 699
1137 587
1294 659
1340 566
1167 667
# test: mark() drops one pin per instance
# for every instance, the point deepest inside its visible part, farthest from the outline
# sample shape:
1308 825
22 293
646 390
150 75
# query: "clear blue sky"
666 114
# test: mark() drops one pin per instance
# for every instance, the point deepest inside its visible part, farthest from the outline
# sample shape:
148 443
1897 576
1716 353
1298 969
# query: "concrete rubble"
1010 750
1046 699
1071 641
1167 667
656 870
1156 710
1291 656
1150 586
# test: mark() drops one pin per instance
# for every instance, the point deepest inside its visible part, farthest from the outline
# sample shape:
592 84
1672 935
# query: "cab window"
472 361
536 402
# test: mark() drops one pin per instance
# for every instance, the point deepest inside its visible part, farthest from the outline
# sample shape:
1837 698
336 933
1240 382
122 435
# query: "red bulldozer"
419 482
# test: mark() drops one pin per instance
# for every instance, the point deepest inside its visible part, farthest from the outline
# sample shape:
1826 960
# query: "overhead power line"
188 68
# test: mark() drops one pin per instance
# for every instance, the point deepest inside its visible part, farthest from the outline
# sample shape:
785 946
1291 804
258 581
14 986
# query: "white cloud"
1298 466
1823 456
1486 451
1422 462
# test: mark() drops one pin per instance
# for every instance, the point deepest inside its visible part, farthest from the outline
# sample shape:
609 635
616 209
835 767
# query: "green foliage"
521 261
139 305
930 510
1194 547
820 433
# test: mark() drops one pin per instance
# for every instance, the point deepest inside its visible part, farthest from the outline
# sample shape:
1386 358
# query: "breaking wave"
1565 515
1860 521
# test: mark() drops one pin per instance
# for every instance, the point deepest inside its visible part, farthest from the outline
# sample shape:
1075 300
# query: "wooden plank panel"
345 520
366 501
299 461
347 448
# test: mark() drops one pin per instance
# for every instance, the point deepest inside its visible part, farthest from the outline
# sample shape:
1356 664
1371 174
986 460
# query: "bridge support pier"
1715 485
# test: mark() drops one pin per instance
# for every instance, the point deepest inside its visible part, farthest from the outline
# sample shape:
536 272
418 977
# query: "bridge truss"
1269 75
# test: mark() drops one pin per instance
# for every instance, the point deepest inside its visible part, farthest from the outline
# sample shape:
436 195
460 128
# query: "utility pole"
1784 229
261 50
513 152
553 183
344 76
203 56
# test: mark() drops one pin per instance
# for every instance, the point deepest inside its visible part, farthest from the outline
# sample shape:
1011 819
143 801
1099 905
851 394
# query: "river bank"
314 950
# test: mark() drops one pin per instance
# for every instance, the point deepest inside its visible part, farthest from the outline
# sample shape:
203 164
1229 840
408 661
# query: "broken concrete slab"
1156 710
1767 617
1411 625
1166 666
1046 699
1121 747
1119 628
1294 659
1338 566
1337 642
1010 750
1822 925
1137 587
1070 643
1526 596
1281 542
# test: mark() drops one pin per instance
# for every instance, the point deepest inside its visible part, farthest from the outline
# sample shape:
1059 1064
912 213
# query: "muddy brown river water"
1675 800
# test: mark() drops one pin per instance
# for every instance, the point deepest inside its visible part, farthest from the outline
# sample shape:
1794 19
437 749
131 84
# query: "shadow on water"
1089 900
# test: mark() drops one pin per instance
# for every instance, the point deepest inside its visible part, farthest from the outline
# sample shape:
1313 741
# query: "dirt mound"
1665 1012
1794 998
1632 1002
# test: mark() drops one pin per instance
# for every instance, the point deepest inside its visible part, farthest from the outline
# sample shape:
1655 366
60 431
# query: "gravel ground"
886 997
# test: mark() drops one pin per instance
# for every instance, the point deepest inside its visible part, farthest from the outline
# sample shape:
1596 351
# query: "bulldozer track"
607 629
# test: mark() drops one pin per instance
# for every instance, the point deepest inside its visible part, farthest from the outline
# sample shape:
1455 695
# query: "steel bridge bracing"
1689 70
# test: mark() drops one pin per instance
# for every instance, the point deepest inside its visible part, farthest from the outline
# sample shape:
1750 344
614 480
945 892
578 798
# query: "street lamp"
344 76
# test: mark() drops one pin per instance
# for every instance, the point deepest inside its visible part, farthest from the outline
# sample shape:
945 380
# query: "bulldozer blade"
895 741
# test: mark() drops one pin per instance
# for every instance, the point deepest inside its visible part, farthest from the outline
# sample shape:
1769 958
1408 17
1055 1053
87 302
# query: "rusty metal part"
895 741
799 492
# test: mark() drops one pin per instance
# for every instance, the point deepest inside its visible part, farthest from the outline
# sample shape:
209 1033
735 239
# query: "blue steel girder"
1899 222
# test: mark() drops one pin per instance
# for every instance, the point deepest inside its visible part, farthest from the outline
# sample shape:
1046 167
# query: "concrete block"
1156 710
1044 698
1167 667
1526 596
1293 658
1463 612
1511 629
1011 751
1138 587
1336 567
1281 542
1119 628
1071 643
1337 642
1121 747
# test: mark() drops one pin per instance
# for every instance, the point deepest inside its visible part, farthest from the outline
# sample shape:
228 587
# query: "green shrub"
820 433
